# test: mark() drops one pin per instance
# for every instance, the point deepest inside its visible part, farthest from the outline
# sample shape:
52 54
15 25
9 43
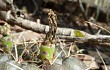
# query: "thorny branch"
66 33
102 40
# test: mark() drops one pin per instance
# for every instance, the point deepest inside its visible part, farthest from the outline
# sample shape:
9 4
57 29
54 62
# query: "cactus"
7 42
47 51
7 39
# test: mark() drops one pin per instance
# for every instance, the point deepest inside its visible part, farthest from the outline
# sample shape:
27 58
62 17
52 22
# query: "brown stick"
67 32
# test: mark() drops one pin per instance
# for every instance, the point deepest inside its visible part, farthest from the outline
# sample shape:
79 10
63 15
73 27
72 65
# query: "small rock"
30 67
10 65
3 59
56 66
73 63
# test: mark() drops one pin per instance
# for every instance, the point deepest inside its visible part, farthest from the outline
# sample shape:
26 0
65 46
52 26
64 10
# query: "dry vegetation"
54 35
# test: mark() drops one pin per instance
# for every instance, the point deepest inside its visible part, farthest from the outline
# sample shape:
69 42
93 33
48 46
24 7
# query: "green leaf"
77 33
46 52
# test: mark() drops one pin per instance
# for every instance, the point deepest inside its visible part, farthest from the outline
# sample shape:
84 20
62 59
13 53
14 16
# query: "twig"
62 47
24 48
60 31
98 26
36 7
16 52
12 55
102 59
85 16
15 66
69 50
56 57
19 37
